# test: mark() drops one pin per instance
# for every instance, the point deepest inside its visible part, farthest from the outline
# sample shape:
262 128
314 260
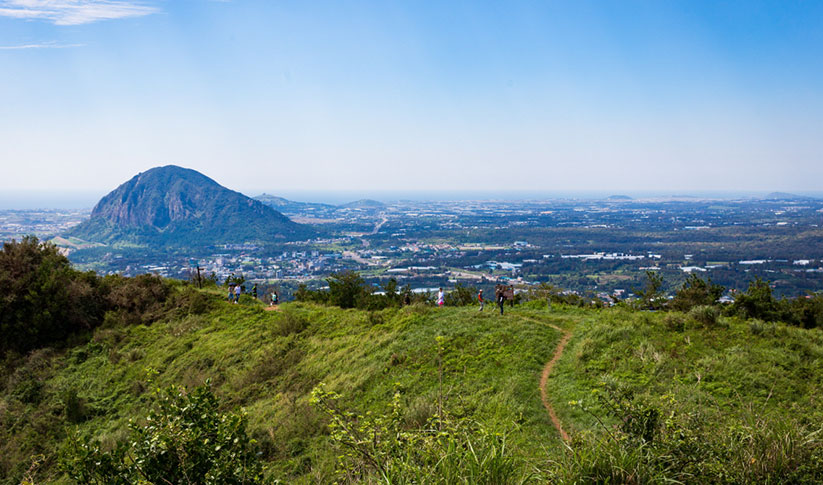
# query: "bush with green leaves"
42 299
347 289
461 296
695 292
382 448
705 315
674 322
677 444
757 302
185 439
651 296
806 312
132 301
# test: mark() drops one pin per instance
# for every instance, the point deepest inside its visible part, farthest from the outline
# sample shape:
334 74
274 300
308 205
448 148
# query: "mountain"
287 205
786 196
364 204
172 205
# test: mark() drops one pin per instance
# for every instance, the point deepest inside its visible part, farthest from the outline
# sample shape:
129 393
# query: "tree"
185 439
390 290
234 280
461 296
42 299
407 295
806 312
757 302
651 295
696 292
347 289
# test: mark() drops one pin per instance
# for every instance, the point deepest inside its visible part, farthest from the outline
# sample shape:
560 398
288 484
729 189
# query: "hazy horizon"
78 200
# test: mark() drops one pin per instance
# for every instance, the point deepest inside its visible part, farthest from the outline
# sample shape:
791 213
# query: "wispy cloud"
74 12
43 45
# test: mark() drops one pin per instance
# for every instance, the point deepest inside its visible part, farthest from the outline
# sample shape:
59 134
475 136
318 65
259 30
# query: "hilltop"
364 204
172 205
269 362
787 196
694 386
286 205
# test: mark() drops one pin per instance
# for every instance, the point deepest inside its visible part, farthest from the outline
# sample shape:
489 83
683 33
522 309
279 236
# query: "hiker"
480 299
274 298
231 293
407 299
254 291
441 298
237 291
501 298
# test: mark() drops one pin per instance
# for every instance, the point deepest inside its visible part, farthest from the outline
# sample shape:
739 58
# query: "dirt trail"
545 377
272 308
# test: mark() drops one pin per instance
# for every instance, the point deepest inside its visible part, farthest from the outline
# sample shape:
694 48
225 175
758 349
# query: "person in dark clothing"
499 296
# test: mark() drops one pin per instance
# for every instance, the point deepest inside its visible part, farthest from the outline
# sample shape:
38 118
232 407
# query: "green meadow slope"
268 363
725 383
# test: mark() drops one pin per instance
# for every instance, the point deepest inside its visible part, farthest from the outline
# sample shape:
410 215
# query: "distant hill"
286 205
172 205
619 197
786 196
364 204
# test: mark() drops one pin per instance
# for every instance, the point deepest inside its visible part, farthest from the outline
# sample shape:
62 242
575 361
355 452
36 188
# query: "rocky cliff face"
178 205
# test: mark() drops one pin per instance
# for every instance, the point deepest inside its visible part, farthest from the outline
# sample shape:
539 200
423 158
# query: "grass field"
727 377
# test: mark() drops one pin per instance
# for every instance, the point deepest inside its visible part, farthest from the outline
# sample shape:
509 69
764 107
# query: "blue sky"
539 96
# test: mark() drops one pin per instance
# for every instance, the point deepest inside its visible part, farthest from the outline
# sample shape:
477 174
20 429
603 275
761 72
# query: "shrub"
75 408
188 301
690 448
43 299
136 300
26 387
185 439
375 318
651 296
290 323
695 292
303 293
674 322
705 315
759 327
461 296
806 312
347 289
756 302
380 448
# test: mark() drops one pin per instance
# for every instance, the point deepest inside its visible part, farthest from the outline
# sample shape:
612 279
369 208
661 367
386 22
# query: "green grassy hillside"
647 397
268 363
